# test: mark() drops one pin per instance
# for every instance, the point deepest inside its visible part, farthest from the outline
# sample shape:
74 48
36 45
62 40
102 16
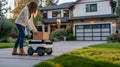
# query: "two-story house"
89 19
57 16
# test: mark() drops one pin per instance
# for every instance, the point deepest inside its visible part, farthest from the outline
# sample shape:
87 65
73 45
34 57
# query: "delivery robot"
40 46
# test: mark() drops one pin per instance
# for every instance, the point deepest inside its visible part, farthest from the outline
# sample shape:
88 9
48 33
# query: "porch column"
49 28
43 28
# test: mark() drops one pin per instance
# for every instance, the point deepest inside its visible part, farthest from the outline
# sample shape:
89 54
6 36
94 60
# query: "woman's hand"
34 31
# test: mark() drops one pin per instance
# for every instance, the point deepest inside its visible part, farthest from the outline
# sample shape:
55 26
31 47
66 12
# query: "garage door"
92 32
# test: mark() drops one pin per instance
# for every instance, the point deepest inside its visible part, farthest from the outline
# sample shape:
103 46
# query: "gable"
96 7
56 7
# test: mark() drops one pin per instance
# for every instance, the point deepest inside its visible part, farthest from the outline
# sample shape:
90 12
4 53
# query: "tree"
1 14
3 9
51 2
5 24
19 4
118 13
118 8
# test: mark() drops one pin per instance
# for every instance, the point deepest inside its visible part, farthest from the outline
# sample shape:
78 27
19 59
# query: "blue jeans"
21 36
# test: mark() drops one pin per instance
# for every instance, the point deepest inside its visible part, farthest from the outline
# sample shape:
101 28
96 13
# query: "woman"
24 19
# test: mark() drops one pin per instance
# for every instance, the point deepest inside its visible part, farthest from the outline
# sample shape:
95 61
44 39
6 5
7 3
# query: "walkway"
7 60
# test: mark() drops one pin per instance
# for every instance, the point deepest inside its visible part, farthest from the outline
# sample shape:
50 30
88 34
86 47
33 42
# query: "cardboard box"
41 36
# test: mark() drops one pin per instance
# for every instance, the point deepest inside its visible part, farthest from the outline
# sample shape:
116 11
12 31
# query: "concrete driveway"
7 60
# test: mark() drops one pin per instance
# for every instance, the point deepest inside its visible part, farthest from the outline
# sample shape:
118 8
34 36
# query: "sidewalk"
7 60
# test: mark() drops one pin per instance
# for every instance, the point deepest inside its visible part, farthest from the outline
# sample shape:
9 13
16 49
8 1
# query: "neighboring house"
89 19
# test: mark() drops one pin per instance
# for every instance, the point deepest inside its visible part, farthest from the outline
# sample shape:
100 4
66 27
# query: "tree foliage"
3 9
6 28
51 2
118 8
1 13
19 4
117 12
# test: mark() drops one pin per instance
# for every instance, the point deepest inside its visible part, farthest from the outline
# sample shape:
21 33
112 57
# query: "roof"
53 20
93 0
66 19
93 17
61 6
55 7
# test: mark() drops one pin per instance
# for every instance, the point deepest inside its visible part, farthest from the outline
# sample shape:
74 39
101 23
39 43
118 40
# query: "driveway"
7 60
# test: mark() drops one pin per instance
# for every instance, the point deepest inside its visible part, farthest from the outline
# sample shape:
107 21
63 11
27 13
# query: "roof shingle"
55 7
94 17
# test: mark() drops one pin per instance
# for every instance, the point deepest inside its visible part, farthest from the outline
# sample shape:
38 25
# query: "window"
39 28
79 26
96 26
44 15
105 26
46 29
56 14
87 26
66 13
91 7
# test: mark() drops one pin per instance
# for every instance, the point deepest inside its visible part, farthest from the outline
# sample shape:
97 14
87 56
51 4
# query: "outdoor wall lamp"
114 24
92 21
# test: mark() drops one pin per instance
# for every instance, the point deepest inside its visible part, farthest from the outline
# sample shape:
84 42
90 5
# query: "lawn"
100 55
8 45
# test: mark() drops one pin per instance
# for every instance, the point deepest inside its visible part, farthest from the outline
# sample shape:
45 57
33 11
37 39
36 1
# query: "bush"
10 40
114 37
59 34
14 34
6 28
110 38
70 37
69 32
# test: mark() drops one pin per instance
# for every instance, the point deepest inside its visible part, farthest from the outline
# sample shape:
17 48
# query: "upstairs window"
66 13
56 14
91 7
45 15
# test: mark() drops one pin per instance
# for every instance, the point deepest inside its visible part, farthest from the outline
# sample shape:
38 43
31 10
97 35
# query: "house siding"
103 7
49 14
89 0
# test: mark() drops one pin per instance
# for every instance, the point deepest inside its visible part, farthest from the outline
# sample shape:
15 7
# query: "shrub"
110 38
69 32
6 28
10 40
13 34
70 37
59 34
114 37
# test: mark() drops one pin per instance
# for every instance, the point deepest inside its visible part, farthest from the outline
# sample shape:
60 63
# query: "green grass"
8 45
100 55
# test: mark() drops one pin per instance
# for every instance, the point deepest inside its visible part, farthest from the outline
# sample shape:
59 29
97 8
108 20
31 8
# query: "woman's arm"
27 20
32 24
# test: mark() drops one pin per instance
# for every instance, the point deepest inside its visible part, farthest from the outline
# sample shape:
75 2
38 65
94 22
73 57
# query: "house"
90 19
56 16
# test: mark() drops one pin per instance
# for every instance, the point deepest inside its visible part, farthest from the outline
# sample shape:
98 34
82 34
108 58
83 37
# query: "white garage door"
92 32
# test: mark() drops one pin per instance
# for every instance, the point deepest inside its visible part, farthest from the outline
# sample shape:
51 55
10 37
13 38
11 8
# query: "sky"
63 1
11 3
